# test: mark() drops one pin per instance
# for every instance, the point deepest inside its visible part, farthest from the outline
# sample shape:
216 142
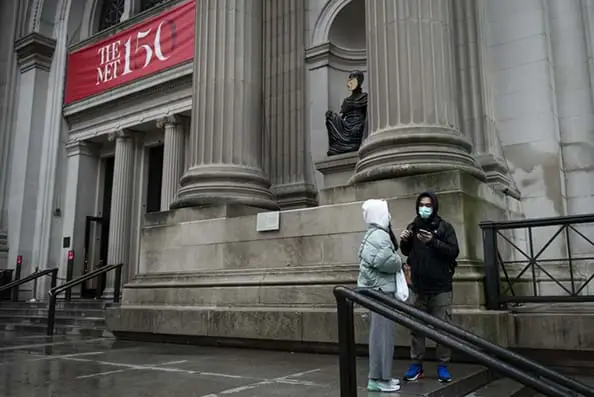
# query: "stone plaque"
268 221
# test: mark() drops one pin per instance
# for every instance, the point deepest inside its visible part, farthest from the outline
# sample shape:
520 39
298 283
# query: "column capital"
81 148
169 120
35 51
120 134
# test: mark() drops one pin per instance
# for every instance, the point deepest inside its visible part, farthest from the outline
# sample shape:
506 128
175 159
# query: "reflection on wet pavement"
63 366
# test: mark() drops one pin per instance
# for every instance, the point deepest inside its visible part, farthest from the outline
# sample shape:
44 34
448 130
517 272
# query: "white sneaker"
382 386
395 381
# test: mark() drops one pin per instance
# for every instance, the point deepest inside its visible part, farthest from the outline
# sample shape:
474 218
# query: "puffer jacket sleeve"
384 258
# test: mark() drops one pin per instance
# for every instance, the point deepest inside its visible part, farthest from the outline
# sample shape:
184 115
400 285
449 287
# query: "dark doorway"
155 179
95 287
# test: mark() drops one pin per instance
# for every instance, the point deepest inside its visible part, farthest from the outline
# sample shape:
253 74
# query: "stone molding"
81 148
171 120
123 134
35 51
328 54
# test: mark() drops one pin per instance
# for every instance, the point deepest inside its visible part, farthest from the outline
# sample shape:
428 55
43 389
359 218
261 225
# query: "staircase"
77 317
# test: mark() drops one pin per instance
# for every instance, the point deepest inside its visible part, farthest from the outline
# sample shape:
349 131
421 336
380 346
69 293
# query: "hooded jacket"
432 264
378 260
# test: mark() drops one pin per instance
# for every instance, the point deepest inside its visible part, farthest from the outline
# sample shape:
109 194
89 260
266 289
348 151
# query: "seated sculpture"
347 129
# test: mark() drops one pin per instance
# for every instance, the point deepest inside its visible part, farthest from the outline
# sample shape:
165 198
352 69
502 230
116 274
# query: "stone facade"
487 102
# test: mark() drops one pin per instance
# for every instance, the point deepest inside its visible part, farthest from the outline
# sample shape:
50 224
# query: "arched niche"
337 47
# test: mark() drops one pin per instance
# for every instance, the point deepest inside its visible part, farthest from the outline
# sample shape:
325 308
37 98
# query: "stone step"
503 387
59 312
60 304
467 377
59 319
19 329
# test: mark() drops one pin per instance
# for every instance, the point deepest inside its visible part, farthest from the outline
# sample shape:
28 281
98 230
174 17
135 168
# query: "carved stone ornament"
347 129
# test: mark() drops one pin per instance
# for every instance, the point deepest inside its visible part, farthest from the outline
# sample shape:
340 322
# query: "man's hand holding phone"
425 235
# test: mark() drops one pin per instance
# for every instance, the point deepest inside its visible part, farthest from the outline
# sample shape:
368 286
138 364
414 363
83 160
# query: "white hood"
376 212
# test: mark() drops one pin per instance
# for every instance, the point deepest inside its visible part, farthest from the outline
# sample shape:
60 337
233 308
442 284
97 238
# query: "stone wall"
208 272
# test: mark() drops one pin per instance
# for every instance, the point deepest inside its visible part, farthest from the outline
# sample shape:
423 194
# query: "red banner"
153 45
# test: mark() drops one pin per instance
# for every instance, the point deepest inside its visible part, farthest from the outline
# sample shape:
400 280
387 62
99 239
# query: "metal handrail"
538 222
33 276
487 346
54 291
345 298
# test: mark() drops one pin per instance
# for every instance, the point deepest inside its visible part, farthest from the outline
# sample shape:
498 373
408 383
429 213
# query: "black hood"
434 200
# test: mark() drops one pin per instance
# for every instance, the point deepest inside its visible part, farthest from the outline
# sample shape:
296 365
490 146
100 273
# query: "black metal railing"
14 286
533 267
492 356
54 291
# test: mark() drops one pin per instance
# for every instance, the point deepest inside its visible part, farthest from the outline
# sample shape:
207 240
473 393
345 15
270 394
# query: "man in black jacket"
432 248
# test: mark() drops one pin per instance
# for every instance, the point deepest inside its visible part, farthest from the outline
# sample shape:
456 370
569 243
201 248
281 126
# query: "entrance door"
155 179
95 287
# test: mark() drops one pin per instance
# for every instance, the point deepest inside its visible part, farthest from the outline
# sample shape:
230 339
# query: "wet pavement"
64 366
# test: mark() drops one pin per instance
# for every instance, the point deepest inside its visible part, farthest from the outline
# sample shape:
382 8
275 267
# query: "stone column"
121 206
34 54
226 131
286 156
79 200
173 158
8 98
413 112
477 111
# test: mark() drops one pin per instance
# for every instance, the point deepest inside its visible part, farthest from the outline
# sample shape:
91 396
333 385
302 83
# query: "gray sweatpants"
438 306
381 347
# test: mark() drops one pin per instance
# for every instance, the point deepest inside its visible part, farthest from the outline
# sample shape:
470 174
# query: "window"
111 12
146 4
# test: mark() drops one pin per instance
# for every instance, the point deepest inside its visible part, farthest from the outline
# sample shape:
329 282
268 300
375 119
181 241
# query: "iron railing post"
34 299
346 346
54 278
17 276
51 314
492 283
117 283
69 273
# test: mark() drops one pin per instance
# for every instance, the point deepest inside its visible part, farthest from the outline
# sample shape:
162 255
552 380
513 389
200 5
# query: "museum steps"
78 317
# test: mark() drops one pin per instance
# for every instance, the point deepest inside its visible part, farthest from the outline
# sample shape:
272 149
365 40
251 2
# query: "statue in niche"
347 129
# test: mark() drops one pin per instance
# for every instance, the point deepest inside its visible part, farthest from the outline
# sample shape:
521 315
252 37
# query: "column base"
224 184
498 175
414 150
295 195
108 293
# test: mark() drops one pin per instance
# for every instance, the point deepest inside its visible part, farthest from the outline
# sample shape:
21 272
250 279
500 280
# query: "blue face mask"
425 212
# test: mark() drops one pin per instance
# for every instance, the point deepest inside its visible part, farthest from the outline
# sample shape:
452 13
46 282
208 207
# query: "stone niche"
209 273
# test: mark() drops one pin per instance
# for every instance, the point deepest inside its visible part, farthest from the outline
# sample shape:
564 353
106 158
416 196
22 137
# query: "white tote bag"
401 287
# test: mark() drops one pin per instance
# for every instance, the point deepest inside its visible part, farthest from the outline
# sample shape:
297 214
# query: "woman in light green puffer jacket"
379 264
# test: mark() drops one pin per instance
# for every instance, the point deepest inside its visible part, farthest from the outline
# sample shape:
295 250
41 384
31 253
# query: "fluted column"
226 132
121 205
413 112
286 159
475 99
174 153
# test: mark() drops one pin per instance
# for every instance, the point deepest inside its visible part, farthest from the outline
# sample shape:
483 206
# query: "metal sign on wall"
153 45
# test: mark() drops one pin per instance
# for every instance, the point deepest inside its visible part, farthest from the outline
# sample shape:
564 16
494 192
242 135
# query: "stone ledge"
303 325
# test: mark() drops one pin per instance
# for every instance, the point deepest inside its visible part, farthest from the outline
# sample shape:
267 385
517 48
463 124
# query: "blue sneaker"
443 374
415 371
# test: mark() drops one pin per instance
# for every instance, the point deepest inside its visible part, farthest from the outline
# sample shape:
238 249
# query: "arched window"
111 12
146 4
